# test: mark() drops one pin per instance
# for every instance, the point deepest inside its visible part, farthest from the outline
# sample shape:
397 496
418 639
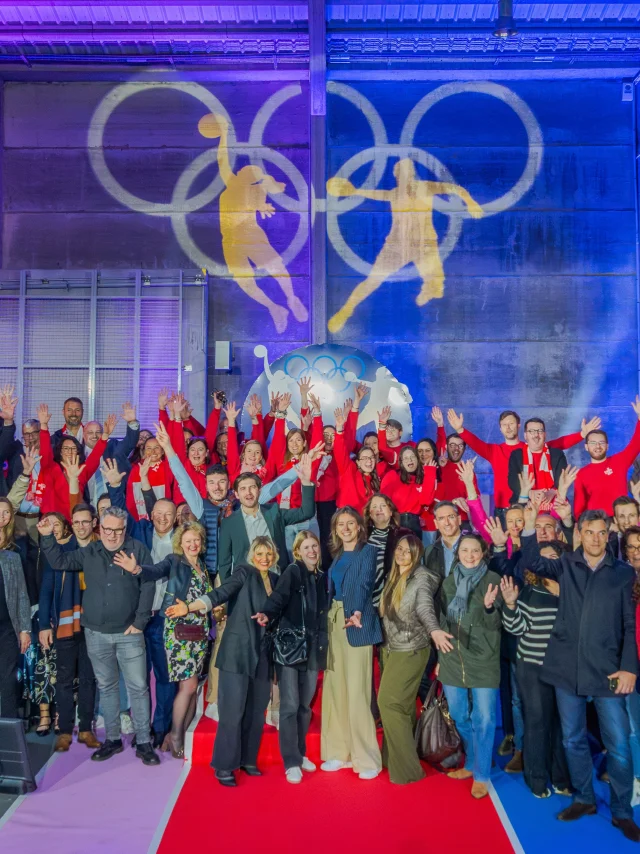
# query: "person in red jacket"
192 452
358 478
160 478
450 450
605 478
498 455
55 496
411 488
250 458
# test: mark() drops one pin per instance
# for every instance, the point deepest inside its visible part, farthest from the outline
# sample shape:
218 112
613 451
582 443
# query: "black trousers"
544 756
324 512
506 697
297 688
9 661
72 659
242 703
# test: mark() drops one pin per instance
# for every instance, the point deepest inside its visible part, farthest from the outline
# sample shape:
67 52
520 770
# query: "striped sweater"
532 620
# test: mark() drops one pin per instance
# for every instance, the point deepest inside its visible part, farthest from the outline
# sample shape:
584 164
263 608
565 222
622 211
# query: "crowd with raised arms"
264 561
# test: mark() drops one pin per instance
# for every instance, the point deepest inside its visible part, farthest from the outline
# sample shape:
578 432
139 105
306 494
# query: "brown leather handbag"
437 740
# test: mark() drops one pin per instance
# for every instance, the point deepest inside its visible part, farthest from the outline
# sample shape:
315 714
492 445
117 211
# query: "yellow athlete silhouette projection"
412 239
245 245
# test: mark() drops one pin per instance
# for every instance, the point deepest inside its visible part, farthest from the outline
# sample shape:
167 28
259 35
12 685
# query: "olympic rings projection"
181 204
325 366
382 150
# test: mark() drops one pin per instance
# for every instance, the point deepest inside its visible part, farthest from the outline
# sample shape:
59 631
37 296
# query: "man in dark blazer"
592 653
250 520
546 463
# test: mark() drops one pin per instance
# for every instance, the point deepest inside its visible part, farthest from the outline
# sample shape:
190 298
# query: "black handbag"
438 741
291 646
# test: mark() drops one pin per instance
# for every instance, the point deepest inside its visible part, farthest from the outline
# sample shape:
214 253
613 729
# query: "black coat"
558 464
178 570
594 632
285 604
10 450
243 639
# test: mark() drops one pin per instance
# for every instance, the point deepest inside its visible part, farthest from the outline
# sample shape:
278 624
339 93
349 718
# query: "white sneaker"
308 765
273 719
335 765
212 712
635 798
368 775
126 724
294 775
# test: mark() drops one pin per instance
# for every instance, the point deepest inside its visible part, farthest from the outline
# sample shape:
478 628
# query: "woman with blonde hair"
299 602
186 629
348 729
405 610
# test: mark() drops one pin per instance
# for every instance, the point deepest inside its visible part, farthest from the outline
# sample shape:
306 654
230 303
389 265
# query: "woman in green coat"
470 670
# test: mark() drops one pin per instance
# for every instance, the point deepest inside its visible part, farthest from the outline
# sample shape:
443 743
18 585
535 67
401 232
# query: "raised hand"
635 405
218 399
45 526
110 473
109 425
261 619
73 468
443 459
530 514
232 412
347 406
338 414
509 591
635 490
163 438
304 384
163 397
43 415
594 424
383 416
567 477
455 420
498 536
490 596
362 391
304 469
563 509
354 620
314 400
126 562
436 414
527 483
285 402
128 412
461 504
441 640
145 465
317 451
29 460
275 402
8 403
466 472
254 408
305 421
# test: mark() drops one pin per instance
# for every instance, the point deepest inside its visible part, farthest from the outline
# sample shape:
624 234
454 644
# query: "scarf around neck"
466 582
543 478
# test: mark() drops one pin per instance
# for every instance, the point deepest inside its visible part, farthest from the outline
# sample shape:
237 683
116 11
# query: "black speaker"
15 767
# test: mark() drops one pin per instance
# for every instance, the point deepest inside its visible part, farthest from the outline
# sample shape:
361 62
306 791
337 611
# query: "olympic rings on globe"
181 205
331 373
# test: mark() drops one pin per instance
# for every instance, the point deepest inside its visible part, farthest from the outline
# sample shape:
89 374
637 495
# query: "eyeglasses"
111 531
631 548
596 444
536 432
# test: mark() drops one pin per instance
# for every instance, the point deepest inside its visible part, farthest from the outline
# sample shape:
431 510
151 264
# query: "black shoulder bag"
290 646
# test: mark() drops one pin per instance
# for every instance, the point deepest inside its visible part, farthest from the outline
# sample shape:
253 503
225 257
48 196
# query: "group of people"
318 553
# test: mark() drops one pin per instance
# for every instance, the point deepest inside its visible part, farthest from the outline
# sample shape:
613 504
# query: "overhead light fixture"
505 25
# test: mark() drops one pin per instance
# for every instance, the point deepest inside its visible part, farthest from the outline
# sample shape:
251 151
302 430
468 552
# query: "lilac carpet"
83 807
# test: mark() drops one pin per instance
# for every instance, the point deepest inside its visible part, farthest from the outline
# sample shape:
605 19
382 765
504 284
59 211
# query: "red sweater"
498 457
234 463
599 484
55 486
410 497
276 464
354 487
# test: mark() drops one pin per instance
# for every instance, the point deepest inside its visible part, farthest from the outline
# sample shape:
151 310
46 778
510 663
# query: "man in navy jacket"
591 653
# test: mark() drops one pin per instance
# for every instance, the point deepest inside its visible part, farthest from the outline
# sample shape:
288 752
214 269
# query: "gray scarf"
466 582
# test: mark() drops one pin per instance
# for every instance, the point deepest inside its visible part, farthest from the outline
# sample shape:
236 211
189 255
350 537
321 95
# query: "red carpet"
327 811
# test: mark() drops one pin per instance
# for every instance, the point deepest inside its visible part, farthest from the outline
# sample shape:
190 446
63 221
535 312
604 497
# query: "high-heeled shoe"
40 732
176 752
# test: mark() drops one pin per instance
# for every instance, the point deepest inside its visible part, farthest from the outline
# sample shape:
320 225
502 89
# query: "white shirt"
161 547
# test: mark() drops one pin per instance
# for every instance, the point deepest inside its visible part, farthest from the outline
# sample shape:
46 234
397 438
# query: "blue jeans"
157 660
632 702
474 713
615 730
110 655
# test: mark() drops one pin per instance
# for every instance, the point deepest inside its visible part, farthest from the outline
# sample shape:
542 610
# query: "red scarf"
157 479
543 477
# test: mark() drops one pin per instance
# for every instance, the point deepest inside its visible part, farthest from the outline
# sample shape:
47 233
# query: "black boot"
226 778
251 770
108 749
147 754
